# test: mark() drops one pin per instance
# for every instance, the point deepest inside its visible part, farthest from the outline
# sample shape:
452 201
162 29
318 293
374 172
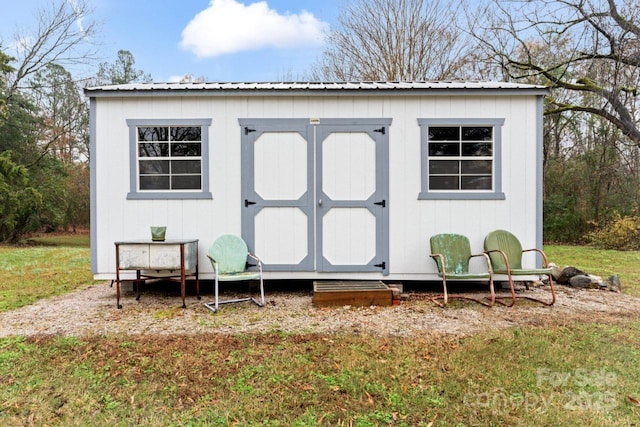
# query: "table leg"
138 280
182 276
118 293
197 276
118 278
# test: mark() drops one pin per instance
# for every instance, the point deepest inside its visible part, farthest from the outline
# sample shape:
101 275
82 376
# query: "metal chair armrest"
441 266
504 256
214 263
486 256
258 260
544 256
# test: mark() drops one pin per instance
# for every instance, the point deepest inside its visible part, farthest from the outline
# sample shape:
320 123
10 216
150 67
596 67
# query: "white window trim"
135 193
495 194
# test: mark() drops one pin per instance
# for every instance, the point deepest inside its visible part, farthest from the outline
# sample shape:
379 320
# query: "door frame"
253 203
314 132
377 203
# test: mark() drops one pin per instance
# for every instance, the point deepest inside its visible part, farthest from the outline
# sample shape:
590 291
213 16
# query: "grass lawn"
571 375
601 262
44 267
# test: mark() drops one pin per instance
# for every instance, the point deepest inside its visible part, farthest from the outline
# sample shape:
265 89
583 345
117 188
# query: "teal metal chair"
228 256
505 251
452 254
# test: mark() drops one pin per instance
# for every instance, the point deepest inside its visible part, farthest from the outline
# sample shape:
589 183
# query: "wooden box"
353 293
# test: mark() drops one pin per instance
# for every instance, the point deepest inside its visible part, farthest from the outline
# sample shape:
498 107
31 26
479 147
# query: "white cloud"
228 26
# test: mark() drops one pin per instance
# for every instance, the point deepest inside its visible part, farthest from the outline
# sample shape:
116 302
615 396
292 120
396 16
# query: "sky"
218 40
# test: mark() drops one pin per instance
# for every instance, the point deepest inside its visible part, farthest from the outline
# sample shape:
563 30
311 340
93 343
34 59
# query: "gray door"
315 194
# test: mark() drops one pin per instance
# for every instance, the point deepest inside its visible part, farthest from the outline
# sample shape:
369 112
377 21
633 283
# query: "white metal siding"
412 221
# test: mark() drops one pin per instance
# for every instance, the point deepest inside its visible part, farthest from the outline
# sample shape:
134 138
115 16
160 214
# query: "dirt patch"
92 311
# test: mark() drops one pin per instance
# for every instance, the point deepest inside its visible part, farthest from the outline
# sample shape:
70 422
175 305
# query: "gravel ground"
92 311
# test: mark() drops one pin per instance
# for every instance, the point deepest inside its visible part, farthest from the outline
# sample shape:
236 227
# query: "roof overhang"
424 88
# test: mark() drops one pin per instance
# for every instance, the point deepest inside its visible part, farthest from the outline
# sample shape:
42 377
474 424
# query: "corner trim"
93 195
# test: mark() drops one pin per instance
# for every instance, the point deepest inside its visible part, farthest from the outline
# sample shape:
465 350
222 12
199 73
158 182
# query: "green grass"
79 240
569 375
601 262
53 266
580 376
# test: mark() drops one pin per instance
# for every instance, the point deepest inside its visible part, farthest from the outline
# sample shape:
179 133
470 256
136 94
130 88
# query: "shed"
322 180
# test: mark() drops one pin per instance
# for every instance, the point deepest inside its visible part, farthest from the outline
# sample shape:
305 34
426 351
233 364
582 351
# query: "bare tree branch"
587 47
397 40
64 36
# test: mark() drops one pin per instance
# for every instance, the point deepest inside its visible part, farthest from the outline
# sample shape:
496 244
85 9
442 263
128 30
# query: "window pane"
460 156
443 183
153 149
154 182
186 149
444 133
186 134
476 167
476 182
444 149
154 167
477 133
477 150
185 166
153 134
191 182
443 167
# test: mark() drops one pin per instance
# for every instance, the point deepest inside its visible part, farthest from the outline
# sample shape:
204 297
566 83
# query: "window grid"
460 158
160 146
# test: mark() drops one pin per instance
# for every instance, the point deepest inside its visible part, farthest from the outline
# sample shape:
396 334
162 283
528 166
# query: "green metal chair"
452 253
505 251
228 256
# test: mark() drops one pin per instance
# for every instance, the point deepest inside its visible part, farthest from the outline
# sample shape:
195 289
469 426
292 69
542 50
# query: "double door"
315 193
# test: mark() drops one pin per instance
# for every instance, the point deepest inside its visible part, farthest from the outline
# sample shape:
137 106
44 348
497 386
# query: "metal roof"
313 88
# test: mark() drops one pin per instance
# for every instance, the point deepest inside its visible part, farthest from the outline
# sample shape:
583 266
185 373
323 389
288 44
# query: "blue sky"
221 40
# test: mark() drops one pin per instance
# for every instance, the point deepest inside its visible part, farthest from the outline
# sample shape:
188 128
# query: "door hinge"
382 265
247 203
382 203
247 130
382 130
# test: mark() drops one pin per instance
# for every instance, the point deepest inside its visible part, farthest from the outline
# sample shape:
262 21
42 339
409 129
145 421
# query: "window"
169 159
461 158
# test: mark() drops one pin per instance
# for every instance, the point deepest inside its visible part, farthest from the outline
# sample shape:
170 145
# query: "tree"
122 71
19 201
64 114
397 40
63 36
77 206
42 120
5 70
593 51
38 174
19 130
63 144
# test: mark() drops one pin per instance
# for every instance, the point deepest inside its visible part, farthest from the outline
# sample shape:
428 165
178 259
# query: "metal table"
168 259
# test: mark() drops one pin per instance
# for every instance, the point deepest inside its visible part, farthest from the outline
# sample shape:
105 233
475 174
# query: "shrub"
621 233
